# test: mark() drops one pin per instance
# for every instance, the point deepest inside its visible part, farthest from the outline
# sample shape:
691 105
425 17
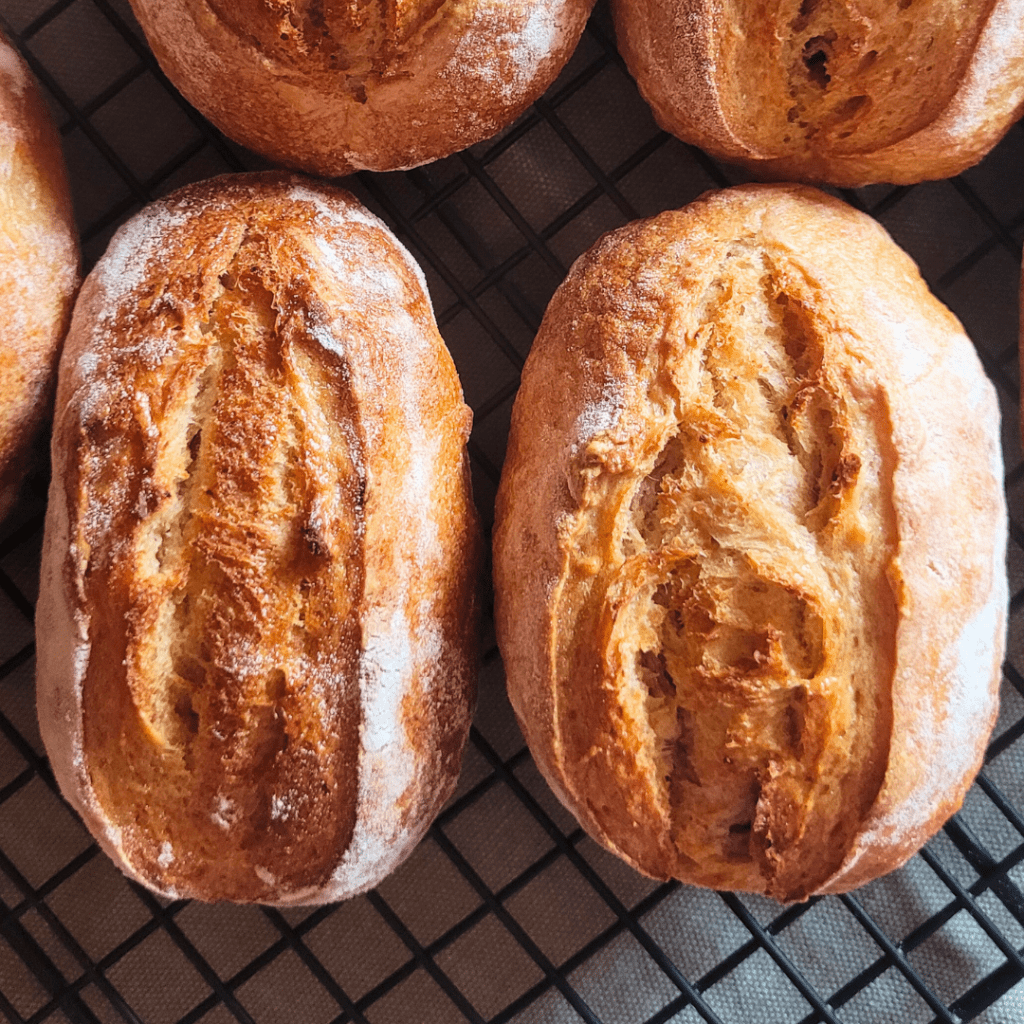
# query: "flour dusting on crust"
597 417
505 64
125 266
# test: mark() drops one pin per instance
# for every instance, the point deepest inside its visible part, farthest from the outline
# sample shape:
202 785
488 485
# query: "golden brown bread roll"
257 622
749 547
38 265
831 90
348 85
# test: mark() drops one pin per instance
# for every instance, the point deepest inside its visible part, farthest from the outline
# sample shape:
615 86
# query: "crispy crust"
758 385
377 86
257 619
760 94
38 265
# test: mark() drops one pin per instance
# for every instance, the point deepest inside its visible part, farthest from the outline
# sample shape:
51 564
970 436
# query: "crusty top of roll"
749 547
828 90
38 264
256 621
361 84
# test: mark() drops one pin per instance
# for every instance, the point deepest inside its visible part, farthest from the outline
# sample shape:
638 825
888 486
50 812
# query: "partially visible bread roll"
38 266
256 628
831 90
749 547
349 85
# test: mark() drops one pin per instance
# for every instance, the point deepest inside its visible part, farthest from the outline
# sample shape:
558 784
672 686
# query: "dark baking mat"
507 912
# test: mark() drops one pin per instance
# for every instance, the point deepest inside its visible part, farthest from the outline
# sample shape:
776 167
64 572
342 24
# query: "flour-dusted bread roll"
38 266
749 547
831 90
346 85
256 629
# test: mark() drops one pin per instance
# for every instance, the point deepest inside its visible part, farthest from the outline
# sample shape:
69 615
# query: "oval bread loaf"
38 266
257 621
831 90
749 547
349 85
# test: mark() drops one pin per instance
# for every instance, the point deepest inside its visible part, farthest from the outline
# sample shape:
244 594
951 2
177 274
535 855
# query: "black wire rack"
507 911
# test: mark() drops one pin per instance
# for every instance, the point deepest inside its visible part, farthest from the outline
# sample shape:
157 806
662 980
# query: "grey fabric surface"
497 914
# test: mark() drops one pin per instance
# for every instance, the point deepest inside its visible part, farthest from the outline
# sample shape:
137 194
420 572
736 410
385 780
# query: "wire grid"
507 912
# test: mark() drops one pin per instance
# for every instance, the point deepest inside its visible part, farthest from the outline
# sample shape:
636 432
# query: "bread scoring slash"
749 547
257 621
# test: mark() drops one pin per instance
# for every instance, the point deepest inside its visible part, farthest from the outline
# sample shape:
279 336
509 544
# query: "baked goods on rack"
829 90
257 620
345 85
749 547
38 266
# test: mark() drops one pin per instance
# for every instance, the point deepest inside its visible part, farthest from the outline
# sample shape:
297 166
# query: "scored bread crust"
760 384
38 265
347 86
257 620
725 86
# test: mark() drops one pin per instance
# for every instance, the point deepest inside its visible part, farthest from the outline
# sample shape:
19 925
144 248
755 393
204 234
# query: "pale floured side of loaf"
749 547
349 85
830 90
38 265
256 626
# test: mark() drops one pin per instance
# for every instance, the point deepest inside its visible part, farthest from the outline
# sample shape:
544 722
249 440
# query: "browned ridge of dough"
822 77
240 611
331 35
746 625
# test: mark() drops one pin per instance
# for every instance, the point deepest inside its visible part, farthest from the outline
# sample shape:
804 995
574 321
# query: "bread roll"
831 90
349 85
749 547
38 266
257 622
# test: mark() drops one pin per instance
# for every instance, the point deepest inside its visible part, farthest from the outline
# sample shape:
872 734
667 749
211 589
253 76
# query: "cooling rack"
506 912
